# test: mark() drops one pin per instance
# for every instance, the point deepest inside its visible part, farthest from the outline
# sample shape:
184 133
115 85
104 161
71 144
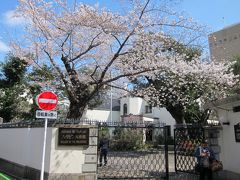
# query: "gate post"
175 152
166 151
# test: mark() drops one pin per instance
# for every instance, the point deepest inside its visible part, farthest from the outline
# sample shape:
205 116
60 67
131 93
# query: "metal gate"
186 140
136 151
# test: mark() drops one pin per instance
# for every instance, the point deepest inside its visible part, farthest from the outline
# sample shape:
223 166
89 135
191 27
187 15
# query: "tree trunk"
76 110
177 113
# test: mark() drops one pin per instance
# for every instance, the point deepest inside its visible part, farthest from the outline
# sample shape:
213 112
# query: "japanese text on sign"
46 114
73 136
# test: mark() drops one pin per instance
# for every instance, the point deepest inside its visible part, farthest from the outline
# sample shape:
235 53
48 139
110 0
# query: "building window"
148 109
125 109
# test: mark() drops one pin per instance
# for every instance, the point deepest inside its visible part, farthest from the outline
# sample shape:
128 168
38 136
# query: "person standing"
103 148
205 156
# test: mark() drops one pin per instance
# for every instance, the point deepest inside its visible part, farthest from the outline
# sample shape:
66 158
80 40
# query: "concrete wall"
24 146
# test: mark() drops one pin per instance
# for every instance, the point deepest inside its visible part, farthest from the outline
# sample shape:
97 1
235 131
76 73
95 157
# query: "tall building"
225 44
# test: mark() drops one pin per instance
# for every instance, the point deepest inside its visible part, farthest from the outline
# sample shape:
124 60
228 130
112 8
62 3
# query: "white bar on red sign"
50 101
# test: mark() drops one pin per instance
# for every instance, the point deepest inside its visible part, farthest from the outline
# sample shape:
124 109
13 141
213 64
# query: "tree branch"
58 70
117 39
121 76
124 89
90 47
94 73
115 56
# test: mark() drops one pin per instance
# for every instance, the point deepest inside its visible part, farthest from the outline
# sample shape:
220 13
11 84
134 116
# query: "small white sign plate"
46 114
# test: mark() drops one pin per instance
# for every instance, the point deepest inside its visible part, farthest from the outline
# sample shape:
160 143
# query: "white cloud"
3 47
12 20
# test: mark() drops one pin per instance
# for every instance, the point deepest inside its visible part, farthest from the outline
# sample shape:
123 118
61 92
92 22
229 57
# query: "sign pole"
44 148
46 101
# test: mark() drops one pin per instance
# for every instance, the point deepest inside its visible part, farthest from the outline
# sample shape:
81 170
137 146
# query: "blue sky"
216 14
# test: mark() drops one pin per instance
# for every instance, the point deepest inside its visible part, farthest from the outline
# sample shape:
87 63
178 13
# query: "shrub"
160 140
125 139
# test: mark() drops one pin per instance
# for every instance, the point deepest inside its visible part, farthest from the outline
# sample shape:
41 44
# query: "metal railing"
52 123
134 151
186 140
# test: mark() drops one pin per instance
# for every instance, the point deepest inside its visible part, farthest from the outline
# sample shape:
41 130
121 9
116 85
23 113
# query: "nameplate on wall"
73 136
237 132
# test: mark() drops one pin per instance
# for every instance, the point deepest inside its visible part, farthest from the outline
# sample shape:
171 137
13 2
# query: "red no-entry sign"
47 100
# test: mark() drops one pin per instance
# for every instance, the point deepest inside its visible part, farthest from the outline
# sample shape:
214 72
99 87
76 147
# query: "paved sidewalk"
183 176
222 175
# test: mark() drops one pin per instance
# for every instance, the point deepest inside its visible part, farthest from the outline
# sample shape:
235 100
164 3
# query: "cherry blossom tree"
114 46
180 82
179 92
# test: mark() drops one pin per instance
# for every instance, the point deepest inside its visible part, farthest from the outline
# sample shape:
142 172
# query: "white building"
228 113
132 109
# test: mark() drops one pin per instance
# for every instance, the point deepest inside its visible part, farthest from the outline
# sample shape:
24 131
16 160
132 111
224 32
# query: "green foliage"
8 105
194 114
126 139
236 71
18 88
36 76
41 74
13 102
104 132
20 83
160 140
13 71
176 47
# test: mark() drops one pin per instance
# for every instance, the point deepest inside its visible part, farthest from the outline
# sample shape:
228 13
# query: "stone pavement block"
89 168
183 176
90 177
72 177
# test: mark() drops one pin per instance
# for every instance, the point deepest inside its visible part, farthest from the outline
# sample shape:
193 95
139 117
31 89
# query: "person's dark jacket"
104 143
197 154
